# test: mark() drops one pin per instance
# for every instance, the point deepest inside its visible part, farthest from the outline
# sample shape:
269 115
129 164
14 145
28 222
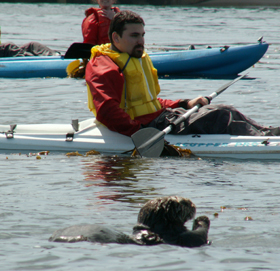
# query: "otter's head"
171 210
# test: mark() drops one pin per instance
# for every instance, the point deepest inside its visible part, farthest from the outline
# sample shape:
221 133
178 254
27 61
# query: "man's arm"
90 29
168 103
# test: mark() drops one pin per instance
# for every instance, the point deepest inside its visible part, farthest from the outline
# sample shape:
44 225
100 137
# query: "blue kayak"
212 62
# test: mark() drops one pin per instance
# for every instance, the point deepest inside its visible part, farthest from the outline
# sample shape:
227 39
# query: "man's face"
104 4
132 40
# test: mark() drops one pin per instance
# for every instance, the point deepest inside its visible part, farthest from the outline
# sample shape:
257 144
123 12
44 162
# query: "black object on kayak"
79 50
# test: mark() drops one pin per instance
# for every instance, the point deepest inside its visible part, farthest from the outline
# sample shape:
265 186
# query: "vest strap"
125 88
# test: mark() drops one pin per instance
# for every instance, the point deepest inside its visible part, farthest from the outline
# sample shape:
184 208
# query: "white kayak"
91 135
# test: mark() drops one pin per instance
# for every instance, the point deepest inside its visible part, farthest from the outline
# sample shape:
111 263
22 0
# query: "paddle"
79 50
149 142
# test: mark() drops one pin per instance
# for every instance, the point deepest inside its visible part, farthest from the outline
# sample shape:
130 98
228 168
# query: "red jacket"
106 85
95 27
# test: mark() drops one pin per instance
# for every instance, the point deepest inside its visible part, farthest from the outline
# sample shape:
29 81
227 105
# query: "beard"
136 52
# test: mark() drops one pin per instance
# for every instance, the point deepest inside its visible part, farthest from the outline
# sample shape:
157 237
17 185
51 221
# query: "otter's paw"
201 221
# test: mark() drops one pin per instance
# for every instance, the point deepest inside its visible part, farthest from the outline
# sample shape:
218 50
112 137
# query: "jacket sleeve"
169 103
90 27
106 85
116 9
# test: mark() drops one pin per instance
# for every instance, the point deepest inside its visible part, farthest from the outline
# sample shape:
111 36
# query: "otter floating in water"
160 221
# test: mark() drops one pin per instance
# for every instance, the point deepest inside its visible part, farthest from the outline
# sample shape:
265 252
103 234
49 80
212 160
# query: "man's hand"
199 100
108 13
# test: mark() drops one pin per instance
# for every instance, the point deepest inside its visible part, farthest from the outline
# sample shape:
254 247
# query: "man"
123 88
96 24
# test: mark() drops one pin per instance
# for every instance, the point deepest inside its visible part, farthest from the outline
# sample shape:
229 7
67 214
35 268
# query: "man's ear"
115 37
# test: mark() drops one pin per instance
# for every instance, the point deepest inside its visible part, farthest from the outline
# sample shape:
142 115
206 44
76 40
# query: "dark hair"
121 19
166 211
96 1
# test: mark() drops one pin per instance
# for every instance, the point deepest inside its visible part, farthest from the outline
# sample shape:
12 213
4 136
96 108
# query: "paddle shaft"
195 108
160 135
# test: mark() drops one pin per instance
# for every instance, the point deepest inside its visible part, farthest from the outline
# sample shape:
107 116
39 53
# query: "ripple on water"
40 196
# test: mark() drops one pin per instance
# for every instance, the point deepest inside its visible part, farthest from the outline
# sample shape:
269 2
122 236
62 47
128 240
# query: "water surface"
39 196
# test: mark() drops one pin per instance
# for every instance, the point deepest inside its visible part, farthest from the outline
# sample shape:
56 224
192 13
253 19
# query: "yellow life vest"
141 86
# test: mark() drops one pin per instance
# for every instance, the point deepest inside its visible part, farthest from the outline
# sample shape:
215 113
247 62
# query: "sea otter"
160 221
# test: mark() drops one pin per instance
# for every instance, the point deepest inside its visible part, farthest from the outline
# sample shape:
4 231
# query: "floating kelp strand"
76 153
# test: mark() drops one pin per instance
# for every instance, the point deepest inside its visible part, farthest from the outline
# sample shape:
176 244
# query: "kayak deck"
92 135
213 62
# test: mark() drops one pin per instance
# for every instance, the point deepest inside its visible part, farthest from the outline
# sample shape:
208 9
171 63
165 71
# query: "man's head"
105 4
126 33
166 211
